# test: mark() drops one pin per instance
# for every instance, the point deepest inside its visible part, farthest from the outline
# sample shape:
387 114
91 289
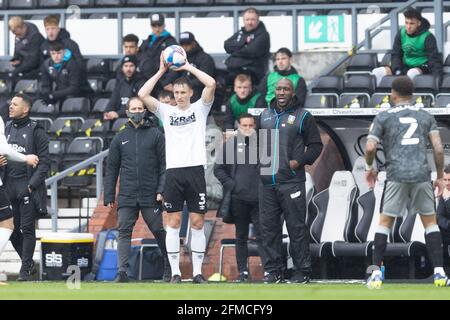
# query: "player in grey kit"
404 131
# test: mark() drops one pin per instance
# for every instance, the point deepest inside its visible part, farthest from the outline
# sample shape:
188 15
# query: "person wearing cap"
61 76
130 45
249 48
55 33
27 47
415 50
199 58
150 51
127 86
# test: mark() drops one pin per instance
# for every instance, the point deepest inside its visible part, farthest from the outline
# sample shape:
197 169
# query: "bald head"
17 26
284 91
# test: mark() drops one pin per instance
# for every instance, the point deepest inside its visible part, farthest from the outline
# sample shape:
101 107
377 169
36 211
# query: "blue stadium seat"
357 91
221 2
5 87
42 109
168 2
198 2
362 63
65 127
386 60
380 100
3 4
22 4
320 101
52 3
76 107
385 84
100 16
30 87
99 108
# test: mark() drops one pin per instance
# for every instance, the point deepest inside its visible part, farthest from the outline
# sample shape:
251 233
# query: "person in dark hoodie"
137 155
249 48
415 50
27 45
238 177
57 34
62 76
199 58
127 86
283 69
443 218
150 52
292 142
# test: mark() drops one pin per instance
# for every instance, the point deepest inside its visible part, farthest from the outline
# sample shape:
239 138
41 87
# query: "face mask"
136 117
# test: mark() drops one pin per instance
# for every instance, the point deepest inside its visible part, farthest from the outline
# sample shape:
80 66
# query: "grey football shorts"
397 196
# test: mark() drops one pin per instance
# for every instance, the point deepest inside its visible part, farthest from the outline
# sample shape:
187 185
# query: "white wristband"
368 168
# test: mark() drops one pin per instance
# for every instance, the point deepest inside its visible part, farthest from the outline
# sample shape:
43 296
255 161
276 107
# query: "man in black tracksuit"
26 186
198 58
57 34
443 217
127 86
238 177
150 52
292 141
249 48
28 41
61 76
137 153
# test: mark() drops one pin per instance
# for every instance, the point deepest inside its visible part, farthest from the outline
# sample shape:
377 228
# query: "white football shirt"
185 134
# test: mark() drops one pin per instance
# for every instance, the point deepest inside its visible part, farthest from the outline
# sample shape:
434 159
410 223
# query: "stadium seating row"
32 4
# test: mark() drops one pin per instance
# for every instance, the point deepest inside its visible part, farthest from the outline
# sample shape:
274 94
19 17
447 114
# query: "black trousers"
246 212
127 219
286 200
23 237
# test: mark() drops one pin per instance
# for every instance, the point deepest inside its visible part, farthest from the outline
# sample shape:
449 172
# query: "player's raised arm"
206 79
150 102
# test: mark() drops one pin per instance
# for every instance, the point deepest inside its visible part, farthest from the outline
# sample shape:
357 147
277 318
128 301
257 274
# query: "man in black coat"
57 34
238 176
292 142
150 52
198 58
27 47
443 216
127 86
25 185
249 48
61 76
137 154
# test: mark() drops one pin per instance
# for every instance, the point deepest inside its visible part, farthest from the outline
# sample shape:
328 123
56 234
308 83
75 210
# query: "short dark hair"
183 81
57 46
447 169
404 86
285 51
134 98
166 94
251 10
412 13
26 99
130 38
245 115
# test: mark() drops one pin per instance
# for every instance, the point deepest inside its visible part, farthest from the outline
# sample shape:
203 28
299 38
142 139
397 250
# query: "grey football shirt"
404 133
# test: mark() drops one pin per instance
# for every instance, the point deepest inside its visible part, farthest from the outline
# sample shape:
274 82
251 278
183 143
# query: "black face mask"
136 117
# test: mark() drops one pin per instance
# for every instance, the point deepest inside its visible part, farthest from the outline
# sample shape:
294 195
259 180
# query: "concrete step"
67 224
68 212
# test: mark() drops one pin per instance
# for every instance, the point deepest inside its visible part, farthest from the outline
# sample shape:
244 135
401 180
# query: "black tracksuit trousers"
287 200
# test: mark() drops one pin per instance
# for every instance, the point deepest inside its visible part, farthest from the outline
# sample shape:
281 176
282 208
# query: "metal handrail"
53 182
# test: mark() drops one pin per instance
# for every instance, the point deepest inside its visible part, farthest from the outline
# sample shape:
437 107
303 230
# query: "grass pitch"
219 291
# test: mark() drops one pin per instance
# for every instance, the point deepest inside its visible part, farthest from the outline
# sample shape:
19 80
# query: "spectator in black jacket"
57 34
443 217
415 50
249 48
61 76
238 178
28 41
199 58
137 154
283 69
150 52
25 185
127 86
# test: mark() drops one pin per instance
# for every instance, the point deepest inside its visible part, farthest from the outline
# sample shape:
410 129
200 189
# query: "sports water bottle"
382 272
